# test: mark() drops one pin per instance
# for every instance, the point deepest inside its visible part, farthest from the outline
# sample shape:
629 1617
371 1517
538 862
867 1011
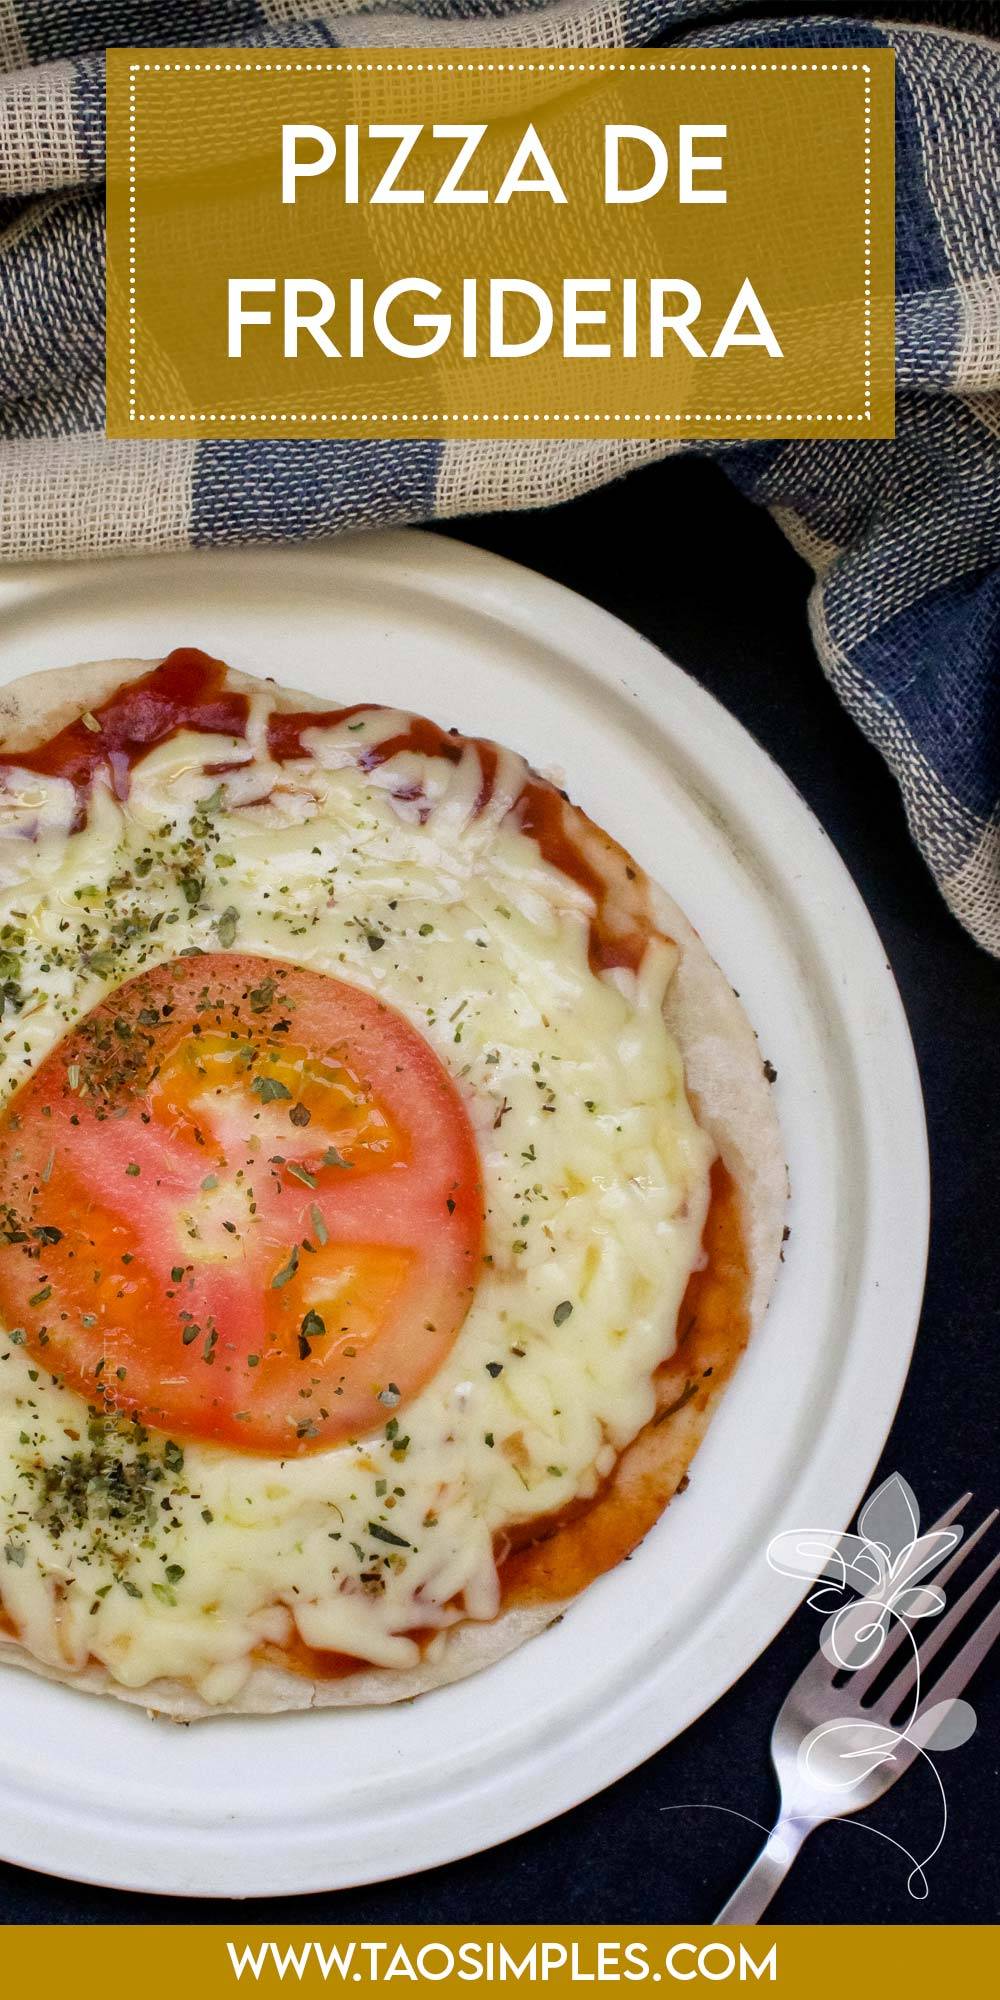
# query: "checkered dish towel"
903 534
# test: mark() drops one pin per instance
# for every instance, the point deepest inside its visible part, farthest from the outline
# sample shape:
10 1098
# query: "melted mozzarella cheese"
595 1173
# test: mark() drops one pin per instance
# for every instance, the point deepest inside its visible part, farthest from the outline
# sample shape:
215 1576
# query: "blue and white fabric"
903 534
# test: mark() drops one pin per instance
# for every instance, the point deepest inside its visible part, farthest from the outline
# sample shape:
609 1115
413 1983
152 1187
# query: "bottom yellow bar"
217 1959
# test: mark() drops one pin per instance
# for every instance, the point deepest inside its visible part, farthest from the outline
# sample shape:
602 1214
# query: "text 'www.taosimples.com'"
490 1961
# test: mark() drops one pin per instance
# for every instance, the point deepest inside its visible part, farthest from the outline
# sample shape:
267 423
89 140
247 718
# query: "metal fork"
816 1699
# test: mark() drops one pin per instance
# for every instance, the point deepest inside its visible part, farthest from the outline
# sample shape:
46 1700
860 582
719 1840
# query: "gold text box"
767 313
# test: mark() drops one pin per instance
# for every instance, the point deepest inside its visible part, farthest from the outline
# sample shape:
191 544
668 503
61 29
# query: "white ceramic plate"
240 1807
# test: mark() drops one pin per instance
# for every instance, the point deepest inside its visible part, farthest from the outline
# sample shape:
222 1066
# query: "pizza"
389 1184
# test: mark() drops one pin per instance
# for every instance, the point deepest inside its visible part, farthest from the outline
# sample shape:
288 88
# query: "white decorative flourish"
884 1562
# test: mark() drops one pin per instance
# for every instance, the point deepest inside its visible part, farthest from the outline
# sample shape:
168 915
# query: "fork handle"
747 1904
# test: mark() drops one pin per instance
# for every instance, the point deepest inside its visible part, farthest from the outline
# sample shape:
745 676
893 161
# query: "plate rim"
488 585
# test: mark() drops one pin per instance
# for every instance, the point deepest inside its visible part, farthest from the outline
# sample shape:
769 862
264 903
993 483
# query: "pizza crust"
726 1081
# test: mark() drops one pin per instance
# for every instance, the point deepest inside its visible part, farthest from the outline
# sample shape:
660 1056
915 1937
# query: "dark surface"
676 553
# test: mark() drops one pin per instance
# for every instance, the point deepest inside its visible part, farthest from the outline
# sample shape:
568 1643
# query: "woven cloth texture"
903 534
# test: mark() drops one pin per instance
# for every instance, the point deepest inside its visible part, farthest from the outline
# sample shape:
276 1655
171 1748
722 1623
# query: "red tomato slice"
242 1202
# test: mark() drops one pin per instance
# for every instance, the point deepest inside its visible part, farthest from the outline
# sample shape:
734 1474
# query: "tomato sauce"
559 1556
427 739
618 937
285 730
295 1657
186 691
555 1557
615 938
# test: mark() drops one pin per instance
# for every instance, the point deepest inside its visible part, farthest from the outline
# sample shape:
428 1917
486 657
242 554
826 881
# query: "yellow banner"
549 243
799 1962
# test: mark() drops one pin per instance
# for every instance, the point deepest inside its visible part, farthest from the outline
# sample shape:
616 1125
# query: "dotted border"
531 67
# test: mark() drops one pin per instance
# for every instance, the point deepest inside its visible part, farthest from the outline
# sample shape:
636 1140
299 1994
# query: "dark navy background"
677 553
